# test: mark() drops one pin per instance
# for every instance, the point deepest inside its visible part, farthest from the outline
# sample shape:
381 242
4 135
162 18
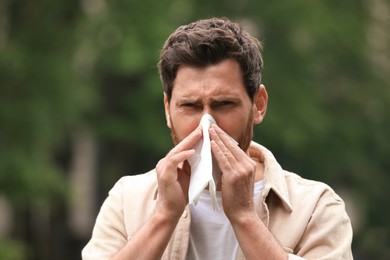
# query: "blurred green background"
81 105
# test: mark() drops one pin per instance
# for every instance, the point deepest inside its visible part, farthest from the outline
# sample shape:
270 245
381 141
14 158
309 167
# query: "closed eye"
226 102
192 105
188 105
223 103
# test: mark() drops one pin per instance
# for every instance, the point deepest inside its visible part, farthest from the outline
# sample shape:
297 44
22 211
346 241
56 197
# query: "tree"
79 79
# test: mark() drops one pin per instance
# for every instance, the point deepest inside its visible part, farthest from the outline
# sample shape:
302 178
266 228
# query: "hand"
173 176
238 175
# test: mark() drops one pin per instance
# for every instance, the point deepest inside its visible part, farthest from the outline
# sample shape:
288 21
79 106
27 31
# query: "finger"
180 157
227 143
171 162
188 142
181 152
184 174
219 150
224 142
222 158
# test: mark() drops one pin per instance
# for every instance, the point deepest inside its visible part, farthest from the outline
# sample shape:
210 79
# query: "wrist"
243 219
167 216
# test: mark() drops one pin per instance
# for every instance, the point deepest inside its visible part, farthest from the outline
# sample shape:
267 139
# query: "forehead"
224 77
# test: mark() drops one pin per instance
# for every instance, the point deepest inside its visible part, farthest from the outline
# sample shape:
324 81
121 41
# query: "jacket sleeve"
109 233
329 233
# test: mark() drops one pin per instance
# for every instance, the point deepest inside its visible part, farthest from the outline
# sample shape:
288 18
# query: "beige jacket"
307 217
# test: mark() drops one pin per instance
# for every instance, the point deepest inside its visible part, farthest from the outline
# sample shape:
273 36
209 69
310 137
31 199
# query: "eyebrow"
197 101
187 100
222 98
212 99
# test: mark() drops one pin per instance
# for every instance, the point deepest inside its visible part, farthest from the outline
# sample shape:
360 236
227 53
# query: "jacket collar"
274 178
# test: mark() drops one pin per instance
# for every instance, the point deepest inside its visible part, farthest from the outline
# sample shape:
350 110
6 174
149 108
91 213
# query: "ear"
260 103
167 111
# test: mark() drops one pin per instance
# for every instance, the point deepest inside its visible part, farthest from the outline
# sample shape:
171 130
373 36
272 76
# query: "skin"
219 91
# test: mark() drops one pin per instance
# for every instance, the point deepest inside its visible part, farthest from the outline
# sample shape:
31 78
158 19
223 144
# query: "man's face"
217 90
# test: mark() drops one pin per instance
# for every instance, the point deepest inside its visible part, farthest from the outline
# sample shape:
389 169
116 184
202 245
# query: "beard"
246 136
244 140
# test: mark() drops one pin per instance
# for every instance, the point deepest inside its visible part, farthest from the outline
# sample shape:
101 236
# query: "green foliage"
41 98
71 64
10 249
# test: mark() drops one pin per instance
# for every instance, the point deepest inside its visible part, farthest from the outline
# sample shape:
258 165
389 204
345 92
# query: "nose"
209 111
206 110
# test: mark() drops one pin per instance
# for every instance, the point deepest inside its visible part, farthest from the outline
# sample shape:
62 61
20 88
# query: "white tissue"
204 168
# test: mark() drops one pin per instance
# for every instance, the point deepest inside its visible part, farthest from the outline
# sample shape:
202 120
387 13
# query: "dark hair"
207 42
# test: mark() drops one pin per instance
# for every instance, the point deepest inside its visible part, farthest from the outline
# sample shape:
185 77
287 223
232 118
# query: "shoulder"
288 185
129 203
322 225
145 181
131 191
132 199
301 188
146 178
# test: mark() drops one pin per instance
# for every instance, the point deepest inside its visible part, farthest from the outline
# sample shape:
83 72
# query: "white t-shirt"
211 235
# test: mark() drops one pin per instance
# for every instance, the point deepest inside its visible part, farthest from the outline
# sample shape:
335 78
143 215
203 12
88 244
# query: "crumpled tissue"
204 168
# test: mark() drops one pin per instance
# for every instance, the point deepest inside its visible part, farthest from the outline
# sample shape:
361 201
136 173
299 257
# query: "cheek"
232 128
184 126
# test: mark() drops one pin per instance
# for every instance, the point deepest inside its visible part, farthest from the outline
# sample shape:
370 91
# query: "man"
214 67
